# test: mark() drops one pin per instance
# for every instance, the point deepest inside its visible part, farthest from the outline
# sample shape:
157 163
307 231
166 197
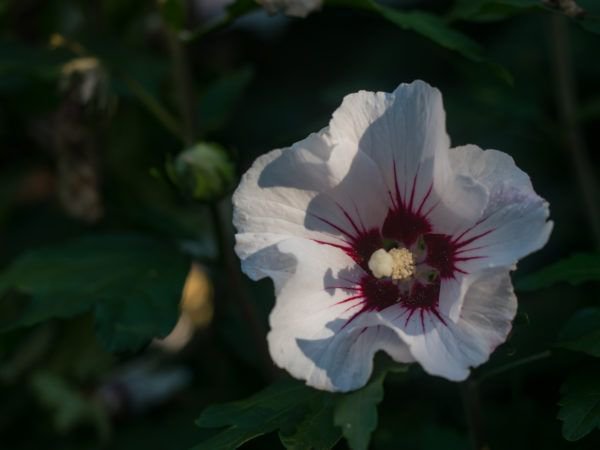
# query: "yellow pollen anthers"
398 263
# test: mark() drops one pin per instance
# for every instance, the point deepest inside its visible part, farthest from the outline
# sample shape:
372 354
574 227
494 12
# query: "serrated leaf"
317 430
132 284
356 413
582 332
575 270
281 405
306 418
580 404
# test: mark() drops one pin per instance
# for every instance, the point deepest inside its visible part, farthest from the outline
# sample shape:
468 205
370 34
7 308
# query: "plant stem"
185 93
183 86
573 136
469 390
514 364
153 106
240 294
233 12
203 30
145 97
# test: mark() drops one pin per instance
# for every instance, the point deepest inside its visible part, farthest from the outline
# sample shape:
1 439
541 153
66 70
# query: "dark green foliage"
431 27
279 407
574 270
580 404
316 430
356 413
490 10
306 418
582 332
131 283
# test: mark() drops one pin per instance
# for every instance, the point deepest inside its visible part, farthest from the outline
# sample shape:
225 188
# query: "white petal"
452 294
310 334
344 361
405 129
449 349
312 190
514 217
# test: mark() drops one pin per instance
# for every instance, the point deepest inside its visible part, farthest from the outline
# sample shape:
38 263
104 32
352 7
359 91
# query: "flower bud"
204 171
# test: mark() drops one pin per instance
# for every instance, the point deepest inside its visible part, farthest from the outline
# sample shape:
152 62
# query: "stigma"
397 264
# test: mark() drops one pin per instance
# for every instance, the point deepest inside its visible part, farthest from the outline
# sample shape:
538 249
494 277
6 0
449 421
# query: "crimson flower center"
404 260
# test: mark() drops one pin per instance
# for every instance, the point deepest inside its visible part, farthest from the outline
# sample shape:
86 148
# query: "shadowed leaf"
575 270
316 431
356 412
132 284
431 27
582 332
580 405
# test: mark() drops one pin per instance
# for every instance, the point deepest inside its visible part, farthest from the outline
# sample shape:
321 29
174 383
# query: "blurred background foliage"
124 127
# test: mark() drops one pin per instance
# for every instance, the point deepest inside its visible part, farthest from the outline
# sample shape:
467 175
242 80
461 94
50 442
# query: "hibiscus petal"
404 133
401 130
311 190
311 336
514 221
449 349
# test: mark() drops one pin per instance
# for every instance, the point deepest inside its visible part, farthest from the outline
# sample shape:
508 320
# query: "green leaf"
132 284
69 406
575 270
279 406
356 413
582 332
490 10
317 430
431 27
306 418
204 171
580 404
493 10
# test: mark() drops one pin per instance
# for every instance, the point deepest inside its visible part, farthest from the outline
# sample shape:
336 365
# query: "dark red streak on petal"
402 223
405 224
441 254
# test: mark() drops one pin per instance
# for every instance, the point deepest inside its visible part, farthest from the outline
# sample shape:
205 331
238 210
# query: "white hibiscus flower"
379 236
294 8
